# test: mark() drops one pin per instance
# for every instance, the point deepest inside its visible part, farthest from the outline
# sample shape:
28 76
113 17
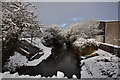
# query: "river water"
62 59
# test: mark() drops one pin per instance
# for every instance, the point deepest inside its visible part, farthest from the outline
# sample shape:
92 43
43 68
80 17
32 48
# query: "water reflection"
65 46
62 59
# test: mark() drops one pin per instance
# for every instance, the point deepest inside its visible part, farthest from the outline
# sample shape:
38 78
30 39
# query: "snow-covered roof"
108 20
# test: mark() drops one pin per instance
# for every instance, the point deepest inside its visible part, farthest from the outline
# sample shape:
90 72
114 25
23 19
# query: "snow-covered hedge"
16 61
82 44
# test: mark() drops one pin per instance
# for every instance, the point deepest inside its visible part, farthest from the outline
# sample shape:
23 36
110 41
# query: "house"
111 32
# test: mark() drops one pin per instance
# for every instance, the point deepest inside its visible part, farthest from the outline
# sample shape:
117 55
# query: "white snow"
60 74
80 43
108 20
16 60
110 45
96 67
74 76
0 76
46 51
16 75
84 28
25 51
53 76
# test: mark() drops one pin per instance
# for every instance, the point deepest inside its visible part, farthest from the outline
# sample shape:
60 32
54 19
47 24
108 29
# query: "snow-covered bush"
16 61
83 29
85 46
81 42
53 35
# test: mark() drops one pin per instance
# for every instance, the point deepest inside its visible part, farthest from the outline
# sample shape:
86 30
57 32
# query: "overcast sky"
64 13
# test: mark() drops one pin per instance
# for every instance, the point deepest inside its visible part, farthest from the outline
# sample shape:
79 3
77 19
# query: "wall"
112 33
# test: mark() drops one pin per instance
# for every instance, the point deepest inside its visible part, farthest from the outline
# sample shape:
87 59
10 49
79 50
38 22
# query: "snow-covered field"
103 66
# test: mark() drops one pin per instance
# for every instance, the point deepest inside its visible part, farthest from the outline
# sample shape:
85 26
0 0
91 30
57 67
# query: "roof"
109 20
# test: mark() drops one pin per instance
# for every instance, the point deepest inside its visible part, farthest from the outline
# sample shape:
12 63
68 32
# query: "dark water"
62 59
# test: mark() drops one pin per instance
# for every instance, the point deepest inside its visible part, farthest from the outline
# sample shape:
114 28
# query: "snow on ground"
103 66
19 60
116 46
1 75
16 60
46 51
16 75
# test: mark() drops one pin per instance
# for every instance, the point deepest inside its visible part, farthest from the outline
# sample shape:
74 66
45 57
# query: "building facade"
111 32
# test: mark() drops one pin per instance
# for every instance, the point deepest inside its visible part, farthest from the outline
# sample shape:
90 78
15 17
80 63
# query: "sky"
65 13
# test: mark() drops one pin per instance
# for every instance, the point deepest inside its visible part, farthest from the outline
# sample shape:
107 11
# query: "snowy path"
46 51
